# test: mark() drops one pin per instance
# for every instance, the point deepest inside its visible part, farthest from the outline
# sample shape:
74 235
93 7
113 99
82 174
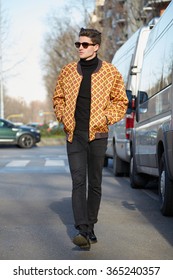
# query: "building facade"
119 19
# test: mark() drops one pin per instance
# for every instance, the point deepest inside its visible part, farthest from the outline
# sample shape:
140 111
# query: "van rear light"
129 124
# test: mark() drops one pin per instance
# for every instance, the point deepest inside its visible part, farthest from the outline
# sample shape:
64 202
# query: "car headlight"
35 130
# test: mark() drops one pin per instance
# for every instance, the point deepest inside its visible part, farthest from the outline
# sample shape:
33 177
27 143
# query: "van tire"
165 189
119 167
136 180
105 162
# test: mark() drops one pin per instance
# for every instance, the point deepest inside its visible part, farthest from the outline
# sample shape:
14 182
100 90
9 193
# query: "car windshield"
9 122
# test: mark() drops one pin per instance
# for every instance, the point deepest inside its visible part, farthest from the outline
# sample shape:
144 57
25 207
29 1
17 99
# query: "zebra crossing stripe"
54 162
17 163
47 163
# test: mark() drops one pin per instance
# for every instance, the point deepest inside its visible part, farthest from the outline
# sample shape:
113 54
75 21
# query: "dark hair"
93 34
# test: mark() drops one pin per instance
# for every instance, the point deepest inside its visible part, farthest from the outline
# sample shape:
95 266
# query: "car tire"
136 180
165 189
26 141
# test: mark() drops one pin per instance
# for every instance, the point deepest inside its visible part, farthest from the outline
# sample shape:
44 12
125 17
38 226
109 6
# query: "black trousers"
86 160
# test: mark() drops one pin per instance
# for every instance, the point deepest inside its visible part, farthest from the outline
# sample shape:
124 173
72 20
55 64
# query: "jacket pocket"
100 123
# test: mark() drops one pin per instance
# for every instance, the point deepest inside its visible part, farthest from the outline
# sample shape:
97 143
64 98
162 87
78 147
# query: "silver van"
152 137
128 60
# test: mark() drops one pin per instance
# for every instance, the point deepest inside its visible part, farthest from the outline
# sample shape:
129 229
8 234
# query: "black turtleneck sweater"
82 113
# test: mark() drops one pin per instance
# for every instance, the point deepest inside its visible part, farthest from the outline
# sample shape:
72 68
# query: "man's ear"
96 47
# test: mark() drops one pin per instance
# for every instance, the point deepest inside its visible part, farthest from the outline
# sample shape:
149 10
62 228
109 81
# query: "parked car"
21 135
35 124
128 60
152 137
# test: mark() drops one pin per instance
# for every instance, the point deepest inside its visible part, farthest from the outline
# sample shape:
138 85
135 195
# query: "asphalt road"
36 221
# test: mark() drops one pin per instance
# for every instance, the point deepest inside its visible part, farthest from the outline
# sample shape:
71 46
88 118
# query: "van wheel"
165 189
105 162
117 165
136 180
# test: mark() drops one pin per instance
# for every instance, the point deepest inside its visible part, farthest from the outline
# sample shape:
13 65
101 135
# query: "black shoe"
92 237
82 241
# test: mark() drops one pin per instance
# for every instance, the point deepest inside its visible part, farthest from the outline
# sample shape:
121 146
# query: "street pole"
1 68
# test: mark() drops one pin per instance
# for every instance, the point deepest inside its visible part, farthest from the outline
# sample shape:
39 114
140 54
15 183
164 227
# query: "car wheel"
26 141
136 180
165 189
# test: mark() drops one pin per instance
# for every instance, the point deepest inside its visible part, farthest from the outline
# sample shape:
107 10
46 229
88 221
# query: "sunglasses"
85 45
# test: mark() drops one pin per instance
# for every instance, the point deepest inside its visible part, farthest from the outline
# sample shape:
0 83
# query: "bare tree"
120 20
58 50
17 110
6 67
59 43
134 11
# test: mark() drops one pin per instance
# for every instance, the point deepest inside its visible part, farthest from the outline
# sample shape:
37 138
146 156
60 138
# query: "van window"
168 59
158 62
123 56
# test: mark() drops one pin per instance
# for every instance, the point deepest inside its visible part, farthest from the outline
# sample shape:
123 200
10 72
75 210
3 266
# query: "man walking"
89 96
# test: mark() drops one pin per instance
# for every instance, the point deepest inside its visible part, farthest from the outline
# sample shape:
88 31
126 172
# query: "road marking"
17 163
58 162
54 165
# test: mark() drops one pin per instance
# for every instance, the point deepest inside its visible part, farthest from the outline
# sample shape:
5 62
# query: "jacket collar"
96 70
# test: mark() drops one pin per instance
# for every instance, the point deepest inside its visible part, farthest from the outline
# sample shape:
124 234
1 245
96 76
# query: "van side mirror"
142 104
143 97
131 104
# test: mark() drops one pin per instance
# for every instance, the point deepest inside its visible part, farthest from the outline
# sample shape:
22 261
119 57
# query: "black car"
23 136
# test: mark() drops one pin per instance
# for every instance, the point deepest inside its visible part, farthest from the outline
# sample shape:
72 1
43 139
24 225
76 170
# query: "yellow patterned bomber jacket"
108 98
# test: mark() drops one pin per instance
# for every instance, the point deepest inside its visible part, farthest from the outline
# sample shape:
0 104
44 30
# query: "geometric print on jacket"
108 98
